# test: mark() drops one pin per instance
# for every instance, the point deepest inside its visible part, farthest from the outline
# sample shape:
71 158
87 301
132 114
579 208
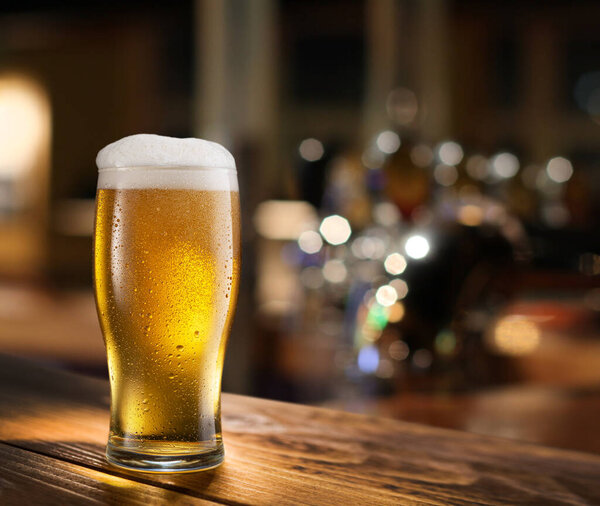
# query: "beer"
166 277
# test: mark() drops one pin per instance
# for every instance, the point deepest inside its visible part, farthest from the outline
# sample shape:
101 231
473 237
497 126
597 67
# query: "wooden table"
53 427
551 416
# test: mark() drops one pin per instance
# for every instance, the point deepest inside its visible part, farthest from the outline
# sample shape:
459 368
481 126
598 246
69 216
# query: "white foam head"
154 161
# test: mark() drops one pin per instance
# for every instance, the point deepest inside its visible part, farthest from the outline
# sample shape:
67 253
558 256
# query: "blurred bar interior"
420 189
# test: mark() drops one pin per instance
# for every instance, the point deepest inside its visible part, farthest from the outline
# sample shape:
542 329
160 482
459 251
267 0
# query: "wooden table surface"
53 428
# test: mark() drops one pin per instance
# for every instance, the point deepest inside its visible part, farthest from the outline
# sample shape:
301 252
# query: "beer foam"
148 150
154 161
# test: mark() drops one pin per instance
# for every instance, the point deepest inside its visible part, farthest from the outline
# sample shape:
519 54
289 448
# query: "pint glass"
166 268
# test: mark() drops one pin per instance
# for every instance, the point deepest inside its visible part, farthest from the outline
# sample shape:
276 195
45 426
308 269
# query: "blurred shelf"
59 327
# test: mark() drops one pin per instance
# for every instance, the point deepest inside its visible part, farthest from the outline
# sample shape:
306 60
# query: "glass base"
164 463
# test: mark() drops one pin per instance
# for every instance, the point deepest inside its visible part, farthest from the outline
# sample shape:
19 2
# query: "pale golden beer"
166 278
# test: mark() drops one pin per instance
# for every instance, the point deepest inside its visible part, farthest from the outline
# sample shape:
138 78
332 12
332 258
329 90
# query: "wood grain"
278 453
558 417
45 480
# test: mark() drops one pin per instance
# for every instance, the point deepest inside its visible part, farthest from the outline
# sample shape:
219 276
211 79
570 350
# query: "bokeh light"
559 169
421 155
310 242
395 264
335 271
422 358
368 247
284 219
470 215
417 247
402 106
478 167
386 295
445 342
450 153
446 175
23 125
335 229
398 350
311 150
368 359
515 336
373 158
386 214
401 288
388 142
312 277
505 165
396 312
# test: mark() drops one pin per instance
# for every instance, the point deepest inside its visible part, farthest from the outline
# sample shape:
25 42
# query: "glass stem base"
166 463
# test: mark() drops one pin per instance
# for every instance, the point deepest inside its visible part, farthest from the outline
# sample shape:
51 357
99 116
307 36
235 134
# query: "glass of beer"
166 269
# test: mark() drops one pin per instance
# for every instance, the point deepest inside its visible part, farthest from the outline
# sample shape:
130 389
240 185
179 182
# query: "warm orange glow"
515 336
24 124
470 215
396 312
284 219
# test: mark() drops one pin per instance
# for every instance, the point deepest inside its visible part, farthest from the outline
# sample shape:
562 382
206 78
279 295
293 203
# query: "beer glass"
166 268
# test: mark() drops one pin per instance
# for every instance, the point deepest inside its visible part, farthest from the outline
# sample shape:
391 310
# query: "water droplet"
197 333
171 376
145 401
180 347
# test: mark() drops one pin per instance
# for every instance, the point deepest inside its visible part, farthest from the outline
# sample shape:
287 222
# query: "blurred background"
420 185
